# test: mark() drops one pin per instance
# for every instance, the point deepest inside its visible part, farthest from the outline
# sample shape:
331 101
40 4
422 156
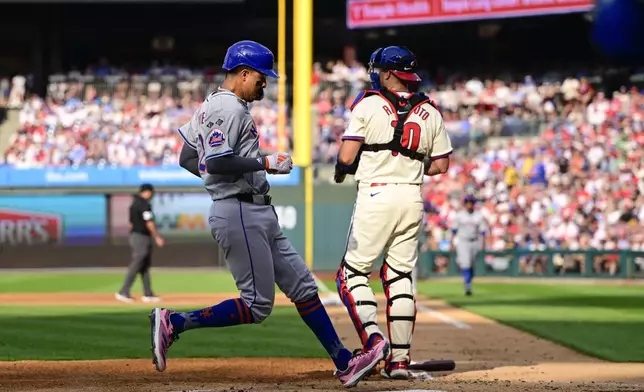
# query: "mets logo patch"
216 138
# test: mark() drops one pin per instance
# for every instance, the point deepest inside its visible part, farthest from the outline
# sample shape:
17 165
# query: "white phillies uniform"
388 214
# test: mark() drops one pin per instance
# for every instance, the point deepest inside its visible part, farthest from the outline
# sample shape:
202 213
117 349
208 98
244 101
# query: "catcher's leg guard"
360 301
401 311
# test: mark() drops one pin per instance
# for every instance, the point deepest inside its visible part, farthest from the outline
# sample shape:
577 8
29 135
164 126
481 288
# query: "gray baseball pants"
141 248
259 255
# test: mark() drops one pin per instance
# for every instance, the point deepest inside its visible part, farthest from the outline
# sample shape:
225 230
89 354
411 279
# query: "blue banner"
91 176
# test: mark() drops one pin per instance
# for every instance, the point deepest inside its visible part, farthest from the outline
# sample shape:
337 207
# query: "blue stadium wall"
78 217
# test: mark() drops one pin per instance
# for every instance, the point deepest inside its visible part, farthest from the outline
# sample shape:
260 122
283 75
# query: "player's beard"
259 94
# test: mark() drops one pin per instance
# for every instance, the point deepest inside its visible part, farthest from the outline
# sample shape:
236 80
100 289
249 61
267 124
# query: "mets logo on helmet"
216 138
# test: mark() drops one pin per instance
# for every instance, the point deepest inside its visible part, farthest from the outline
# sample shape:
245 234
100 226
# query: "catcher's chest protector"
403 107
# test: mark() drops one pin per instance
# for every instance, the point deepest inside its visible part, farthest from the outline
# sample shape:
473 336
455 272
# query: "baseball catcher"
394 138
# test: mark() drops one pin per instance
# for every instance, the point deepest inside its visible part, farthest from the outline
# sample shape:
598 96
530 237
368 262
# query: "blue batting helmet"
251 54
397 59
469 199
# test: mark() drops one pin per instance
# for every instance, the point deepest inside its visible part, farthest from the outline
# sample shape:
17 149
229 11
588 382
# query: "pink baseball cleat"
163 336
362 364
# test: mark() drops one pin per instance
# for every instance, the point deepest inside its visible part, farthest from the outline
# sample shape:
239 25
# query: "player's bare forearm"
349 151
437 166
189 160
433 171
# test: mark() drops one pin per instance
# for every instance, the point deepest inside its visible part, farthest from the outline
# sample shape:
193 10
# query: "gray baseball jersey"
258 254
469 228
222 126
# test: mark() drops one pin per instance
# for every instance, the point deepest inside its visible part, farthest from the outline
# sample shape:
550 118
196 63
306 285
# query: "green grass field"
603 321
123 332
108 282
64 333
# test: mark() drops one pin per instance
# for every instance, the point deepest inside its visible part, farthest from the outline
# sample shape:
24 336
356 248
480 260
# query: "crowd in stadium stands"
579 185
120 123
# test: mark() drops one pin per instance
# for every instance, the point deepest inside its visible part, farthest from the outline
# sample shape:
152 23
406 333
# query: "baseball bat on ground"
434 366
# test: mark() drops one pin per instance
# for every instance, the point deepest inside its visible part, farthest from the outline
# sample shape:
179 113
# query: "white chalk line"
443 317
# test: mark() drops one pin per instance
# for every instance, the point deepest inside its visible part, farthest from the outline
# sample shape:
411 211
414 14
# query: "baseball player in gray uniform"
221 145
468 238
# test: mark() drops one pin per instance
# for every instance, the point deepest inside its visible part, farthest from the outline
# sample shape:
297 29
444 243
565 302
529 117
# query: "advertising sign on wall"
380 13
181 217
39 220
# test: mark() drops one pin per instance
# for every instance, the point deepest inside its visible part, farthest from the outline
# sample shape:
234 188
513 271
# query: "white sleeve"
441 144
148 215
356 129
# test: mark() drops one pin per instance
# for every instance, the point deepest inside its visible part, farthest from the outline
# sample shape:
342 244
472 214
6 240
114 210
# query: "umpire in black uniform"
142 232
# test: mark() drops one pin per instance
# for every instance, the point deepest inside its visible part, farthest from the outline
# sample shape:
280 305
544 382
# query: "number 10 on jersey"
410 137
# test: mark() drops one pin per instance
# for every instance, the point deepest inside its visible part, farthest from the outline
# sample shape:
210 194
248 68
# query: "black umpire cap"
146 187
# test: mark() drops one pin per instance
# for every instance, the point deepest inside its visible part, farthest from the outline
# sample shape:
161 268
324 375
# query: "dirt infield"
490 358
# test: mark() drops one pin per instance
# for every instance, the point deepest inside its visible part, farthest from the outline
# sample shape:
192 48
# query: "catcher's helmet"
251 54
397 59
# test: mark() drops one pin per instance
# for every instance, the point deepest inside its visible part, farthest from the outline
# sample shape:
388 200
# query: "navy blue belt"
263 200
